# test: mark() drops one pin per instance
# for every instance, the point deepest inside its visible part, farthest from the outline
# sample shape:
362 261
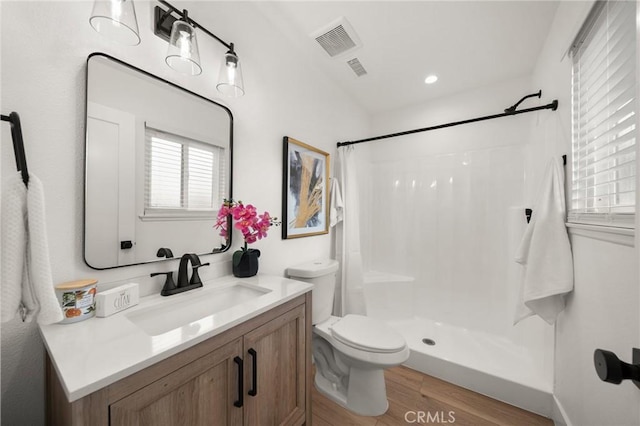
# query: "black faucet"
183 275
164 252
184 283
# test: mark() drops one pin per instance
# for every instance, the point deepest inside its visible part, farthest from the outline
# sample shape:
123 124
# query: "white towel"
27 286
545 252
337 206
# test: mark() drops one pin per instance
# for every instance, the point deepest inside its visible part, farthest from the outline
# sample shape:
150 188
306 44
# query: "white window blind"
604 117
183 176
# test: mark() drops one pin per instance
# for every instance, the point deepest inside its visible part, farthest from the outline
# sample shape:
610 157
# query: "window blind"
604 116
182 174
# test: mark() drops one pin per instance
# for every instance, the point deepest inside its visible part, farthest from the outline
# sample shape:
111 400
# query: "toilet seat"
373 358
367 334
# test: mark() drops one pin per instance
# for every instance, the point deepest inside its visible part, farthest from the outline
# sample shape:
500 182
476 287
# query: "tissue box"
117 299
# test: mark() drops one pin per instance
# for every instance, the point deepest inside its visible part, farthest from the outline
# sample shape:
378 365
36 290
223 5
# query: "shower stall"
440 222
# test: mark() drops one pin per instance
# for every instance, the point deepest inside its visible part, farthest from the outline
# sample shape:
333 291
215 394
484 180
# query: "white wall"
602 311
44 50
479 102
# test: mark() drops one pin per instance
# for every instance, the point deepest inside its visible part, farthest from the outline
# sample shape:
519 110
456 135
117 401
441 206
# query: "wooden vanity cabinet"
202 385
200 393
275 364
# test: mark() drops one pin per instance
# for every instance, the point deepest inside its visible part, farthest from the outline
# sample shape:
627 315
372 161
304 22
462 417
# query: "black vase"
247 265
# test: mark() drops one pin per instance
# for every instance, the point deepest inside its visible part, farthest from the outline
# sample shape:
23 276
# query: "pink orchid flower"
252 226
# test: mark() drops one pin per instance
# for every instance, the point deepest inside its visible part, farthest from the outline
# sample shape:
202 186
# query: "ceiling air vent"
357 67
337 38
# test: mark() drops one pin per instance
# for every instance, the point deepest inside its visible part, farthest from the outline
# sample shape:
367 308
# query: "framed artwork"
305 190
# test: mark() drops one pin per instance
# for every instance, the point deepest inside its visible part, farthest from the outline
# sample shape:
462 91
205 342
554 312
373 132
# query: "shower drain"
429 342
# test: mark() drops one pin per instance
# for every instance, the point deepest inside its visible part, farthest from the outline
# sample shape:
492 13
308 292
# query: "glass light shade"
183 55
230 79
116 19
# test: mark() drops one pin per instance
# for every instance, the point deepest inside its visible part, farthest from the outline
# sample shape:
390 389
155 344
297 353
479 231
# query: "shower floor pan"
478 361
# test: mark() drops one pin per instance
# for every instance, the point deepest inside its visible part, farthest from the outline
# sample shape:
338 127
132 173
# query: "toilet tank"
322 274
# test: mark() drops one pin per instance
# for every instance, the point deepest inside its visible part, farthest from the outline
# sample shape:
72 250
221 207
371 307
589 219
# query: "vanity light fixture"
230 77
183 53
116 19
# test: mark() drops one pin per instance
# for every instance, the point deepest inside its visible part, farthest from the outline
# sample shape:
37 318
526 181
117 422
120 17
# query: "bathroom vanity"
246 362
233 352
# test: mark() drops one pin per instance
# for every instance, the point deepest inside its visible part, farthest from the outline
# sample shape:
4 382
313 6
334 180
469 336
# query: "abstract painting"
305 190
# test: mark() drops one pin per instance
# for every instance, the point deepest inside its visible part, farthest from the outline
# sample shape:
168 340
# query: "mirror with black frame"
157 167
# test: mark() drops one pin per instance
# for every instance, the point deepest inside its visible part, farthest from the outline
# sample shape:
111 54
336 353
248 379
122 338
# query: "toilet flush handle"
611 369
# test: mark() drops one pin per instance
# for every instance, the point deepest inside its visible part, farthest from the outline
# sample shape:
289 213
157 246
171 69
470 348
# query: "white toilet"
350 353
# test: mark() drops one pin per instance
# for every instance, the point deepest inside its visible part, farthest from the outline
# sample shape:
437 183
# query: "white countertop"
95 353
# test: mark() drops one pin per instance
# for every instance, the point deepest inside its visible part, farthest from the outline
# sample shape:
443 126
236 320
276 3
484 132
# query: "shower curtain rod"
507 112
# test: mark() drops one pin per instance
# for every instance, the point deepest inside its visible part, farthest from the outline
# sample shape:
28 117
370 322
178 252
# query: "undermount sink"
186 308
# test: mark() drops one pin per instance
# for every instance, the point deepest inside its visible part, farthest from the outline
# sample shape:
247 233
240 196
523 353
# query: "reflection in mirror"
158 166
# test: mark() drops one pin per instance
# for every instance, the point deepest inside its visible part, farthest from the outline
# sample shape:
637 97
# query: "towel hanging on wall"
27 285
545 252
335 212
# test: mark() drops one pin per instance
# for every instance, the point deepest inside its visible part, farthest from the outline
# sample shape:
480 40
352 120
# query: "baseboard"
559 415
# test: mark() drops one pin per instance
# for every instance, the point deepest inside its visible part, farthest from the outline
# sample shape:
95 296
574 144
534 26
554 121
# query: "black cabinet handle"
240 401
254 386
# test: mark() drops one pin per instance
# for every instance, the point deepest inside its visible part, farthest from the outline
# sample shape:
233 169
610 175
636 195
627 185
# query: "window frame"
603 219
185 139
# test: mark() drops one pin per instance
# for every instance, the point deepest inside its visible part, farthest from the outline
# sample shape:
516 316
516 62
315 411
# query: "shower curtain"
349 291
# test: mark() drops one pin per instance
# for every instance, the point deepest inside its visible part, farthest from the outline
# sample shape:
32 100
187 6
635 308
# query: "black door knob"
611 369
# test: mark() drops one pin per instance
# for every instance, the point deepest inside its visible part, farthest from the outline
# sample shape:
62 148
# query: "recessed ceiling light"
431 79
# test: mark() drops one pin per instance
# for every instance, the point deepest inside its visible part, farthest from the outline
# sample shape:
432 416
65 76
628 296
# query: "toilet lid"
368 334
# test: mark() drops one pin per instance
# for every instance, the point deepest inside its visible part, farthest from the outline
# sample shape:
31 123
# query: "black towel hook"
18 145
